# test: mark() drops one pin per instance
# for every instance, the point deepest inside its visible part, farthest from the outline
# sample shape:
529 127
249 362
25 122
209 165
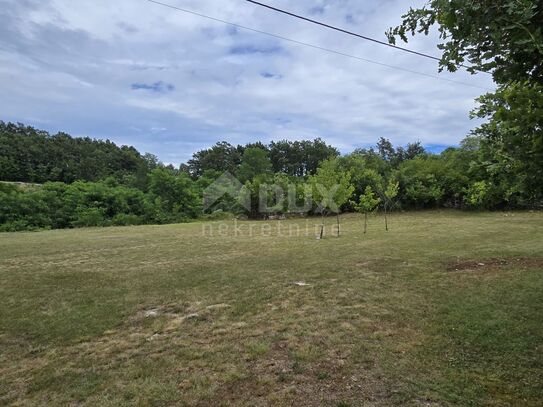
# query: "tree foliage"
504 38
367 202
30 155
255 161
56 205
475 175
332 188
221 157
514 136
300 158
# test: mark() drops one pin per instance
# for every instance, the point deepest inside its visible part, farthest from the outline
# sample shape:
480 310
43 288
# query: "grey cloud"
67 66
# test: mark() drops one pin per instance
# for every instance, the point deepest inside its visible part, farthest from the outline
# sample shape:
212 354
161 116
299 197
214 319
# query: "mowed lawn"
444 309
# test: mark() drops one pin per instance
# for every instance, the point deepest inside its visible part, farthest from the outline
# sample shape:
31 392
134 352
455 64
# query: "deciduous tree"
332 188
367 203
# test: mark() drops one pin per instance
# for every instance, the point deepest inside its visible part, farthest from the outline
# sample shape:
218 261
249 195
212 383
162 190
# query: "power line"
364 37
329 50
343 30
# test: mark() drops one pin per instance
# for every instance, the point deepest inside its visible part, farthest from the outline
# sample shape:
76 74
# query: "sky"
171 83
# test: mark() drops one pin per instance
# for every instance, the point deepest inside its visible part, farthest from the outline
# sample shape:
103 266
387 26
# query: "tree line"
73 182
85 182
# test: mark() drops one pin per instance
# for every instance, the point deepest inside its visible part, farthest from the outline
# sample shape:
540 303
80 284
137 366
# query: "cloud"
252 49
159 87
317 10
269 75
349 19
108 69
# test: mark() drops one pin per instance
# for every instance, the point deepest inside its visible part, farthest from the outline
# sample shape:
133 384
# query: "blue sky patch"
436 148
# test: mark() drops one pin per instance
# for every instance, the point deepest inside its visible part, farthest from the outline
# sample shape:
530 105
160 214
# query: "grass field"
444 309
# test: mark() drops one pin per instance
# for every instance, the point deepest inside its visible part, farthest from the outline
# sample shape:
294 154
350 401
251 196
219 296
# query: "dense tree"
373 161
476 194
504 38
221 157
135 189
513 138
385 149
365 170
295 158
299 158
255 161
286 157
256 144
224 194
422 181
30 155
414 150
58 205
175 196
262 197
315 152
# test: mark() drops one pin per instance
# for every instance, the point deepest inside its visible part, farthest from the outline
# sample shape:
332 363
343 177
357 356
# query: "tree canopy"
505 39
501 37
85 182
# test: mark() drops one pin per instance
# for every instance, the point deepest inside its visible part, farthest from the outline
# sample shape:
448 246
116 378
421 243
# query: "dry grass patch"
163 315
518 262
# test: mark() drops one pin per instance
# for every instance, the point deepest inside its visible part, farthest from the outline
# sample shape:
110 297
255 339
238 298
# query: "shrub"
90 217
15 226
124 219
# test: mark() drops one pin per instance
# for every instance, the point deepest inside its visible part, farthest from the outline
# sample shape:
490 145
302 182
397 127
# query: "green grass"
167 315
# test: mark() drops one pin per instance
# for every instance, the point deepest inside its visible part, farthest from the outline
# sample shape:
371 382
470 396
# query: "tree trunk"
337 217
322 225
386 220
365 222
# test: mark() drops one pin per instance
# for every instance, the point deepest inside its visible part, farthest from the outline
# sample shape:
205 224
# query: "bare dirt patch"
490 264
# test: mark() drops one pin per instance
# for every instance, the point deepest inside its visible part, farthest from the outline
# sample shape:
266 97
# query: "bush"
124 219
15 226
57 205
476 195
90 217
